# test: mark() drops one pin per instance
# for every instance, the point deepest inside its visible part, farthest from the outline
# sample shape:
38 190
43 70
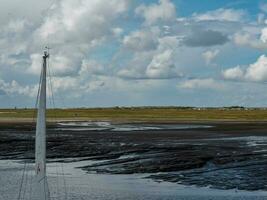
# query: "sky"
135 53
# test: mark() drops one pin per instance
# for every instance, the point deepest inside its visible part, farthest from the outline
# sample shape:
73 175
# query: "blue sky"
135 53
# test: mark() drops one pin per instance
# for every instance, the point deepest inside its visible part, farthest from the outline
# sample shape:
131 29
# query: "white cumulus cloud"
210 55
164 11
263 36
81 21
221 14
207 83
156 64
60 65
256 72
92 67
14 88
249 39
235 73
162 66
142 40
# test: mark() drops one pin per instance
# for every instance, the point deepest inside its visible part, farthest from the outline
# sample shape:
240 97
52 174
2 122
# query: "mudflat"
223 155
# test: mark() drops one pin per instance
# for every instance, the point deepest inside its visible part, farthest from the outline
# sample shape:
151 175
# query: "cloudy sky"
135 53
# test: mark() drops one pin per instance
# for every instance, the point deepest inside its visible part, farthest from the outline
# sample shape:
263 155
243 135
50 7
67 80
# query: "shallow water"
105 125
80 185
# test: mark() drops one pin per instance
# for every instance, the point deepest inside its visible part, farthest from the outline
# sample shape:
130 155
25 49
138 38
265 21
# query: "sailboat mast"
40 139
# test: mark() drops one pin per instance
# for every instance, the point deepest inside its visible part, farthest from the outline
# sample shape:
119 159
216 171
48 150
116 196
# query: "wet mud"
223 155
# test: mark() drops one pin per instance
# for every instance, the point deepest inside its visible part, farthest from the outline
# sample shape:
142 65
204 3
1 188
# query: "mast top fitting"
46 52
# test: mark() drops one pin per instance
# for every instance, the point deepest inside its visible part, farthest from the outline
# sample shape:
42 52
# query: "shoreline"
18 120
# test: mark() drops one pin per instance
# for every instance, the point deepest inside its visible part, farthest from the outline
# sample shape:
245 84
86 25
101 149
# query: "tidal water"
66 181
105 125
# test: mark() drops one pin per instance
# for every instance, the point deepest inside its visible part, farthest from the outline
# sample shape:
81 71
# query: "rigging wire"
30 192
28 143
46 188
64 182
24 178
57 136
51 98
51 104
26 182
21 183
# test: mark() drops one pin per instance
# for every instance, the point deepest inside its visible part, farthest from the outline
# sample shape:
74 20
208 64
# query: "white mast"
40 139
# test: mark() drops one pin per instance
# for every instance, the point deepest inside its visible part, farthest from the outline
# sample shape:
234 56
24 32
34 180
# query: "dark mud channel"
218 155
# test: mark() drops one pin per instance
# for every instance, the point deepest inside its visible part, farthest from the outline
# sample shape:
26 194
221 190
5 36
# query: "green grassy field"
141 114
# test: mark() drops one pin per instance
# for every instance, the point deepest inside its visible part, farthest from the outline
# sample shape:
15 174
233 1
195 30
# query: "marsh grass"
143 114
